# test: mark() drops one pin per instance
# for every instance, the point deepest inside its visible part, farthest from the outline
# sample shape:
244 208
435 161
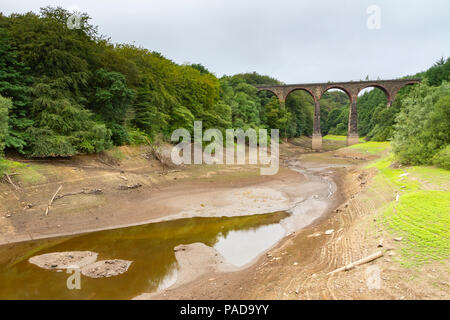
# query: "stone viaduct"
352 89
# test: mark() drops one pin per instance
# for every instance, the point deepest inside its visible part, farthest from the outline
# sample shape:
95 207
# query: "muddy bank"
309 233
304 195
308 207
194 260
183 199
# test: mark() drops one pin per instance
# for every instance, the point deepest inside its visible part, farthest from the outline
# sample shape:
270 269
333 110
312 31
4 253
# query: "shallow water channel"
150 247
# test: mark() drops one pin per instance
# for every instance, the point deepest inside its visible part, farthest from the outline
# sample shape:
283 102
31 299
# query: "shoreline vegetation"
72 91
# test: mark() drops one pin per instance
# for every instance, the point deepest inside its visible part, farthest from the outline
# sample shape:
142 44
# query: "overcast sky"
295 41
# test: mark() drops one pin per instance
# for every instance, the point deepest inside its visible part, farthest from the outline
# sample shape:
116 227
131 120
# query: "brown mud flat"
296 268
299 266
139 191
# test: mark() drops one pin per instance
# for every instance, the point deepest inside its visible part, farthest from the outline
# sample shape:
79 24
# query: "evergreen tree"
14 84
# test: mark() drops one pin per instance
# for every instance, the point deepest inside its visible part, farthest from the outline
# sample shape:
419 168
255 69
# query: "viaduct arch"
352 88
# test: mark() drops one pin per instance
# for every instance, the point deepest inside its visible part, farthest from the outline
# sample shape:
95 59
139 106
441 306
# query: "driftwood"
134 186
158 154
367 259
8 178
92 191
51 200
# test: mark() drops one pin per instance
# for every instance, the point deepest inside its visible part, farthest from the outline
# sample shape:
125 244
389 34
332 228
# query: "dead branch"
92 191
51 200
134 186
367 259
8 178
157 154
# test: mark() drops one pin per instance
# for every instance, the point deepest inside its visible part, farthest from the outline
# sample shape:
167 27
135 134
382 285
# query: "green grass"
370 147
116 154
437 176
392 177
334 137
28 174
340 138
421 217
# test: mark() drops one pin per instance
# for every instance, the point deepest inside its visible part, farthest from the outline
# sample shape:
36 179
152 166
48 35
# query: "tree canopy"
71 90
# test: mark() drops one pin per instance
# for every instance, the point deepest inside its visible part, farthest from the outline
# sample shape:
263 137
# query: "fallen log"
367 259
134 186
8 178
51 200
92 191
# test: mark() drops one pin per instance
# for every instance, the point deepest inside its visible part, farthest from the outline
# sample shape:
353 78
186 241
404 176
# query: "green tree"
423 125
14 84
111 101
5 105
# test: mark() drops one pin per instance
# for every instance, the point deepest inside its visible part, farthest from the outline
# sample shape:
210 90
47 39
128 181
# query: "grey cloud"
294 41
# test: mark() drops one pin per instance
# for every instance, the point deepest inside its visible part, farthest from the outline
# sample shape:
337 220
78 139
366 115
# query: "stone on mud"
64 260
106 268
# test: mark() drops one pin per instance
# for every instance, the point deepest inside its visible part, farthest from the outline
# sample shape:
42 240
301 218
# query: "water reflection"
242 246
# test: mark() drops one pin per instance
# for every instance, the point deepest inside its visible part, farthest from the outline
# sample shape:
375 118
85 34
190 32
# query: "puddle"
150 247
241 247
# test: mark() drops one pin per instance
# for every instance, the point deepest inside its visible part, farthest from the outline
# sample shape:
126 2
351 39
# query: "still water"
150 247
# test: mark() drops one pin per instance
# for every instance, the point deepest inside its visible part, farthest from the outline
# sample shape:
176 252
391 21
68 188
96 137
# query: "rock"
63 260
316 234
380 244
398 239
330 231
106 268
134 186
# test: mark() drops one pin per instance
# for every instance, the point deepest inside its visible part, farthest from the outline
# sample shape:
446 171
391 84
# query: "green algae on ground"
421 215
28 174
370 147
340 138
422 218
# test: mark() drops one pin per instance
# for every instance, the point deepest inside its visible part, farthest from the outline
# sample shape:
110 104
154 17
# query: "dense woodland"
69 91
